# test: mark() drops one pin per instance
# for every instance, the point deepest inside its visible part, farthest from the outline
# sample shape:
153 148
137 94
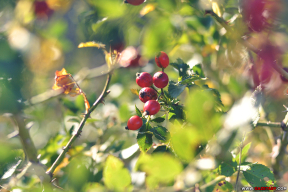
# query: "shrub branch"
25 138
61 156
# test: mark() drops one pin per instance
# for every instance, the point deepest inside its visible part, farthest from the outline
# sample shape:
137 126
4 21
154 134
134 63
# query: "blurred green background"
39 37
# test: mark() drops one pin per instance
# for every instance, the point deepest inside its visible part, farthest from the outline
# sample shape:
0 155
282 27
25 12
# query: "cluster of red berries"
148 94
134 2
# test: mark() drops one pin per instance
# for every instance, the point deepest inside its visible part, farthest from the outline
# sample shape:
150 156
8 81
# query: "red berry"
42 9
134 2
144 79
160 79
162 60
282 77
146 94
151 107
253 14
131 57
134 123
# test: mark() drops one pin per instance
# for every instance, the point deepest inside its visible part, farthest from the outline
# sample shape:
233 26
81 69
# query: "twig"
213 182
269 124
282 150
61 156
240 156
79 77
27 143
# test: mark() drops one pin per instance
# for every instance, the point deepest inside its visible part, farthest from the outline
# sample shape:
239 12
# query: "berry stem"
153 87
147 123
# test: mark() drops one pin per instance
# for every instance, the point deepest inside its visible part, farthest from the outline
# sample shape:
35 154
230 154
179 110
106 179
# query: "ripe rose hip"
253 14
151 107
160 79
282 77
162 60
146 94
144 79
42 9
134 123
134 2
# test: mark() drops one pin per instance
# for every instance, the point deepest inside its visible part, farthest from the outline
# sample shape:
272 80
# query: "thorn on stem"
78 134
283 126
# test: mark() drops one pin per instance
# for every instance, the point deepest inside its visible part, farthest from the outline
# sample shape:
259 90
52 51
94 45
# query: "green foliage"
159 119
116 177
175 89
200 107
210 72
186 79
144 137
228 168
124 112
244 153
157 171
161 133
138 112
184 142
256 173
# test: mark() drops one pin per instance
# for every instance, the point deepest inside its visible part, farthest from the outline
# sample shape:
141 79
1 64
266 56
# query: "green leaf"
92 120
111 9
228 168
144 139
159 119
138 112
256 174
175 89
184 142
161 133
243 154
160 168
181 67
116 176
190 79
124 112
170 115
215 93
177 112
197 69
162 149
202 114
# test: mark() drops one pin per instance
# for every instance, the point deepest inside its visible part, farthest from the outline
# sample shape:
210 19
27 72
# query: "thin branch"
79 77
269 124
240 156
61 156
282 150
25 138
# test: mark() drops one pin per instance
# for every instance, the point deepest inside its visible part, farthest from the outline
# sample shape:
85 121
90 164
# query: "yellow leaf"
135 91
112 59
65 81
92 44
64 163
216 9
87 105
148 8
